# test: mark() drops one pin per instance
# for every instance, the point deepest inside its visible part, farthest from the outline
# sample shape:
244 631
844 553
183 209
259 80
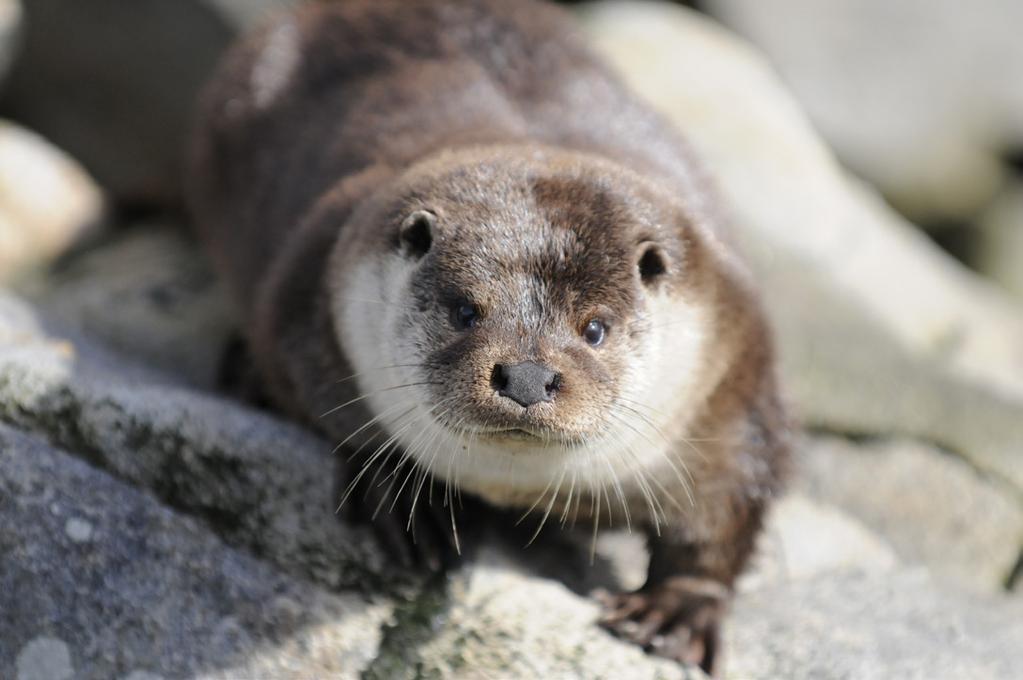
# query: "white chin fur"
476 463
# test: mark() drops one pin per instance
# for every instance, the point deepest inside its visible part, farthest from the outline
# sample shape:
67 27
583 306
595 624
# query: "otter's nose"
526 384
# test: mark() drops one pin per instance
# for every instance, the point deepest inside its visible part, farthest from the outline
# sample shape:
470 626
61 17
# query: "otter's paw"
678 618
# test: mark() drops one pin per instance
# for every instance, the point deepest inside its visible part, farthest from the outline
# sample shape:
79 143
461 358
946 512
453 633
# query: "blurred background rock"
867 153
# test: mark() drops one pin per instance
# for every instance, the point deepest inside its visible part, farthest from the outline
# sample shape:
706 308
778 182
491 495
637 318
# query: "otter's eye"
464 315
417 232
594 332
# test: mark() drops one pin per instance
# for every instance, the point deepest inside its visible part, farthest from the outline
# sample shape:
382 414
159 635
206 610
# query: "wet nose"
526 383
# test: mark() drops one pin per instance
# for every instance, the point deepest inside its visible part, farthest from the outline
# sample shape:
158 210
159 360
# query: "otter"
464 251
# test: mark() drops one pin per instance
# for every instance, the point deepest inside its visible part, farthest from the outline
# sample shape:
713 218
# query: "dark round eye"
464 315
594 332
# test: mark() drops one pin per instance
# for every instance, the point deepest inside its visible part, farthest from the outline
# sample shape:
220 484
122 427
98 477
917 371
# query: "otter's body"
461 248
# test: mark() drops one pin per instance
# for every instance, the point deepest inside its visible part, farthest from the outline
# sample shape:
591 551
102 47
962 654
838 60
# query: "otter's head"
518 315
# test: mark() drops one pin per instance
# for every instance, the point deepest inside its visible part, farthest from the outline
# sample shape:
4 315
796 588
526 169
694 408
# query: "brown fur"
474 109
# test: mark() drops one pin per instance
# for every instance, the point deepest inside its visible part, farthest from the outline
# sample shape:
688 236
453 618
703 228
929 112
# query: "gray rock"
494 628
806 538
1000 243
925 111
264 484
892 625
846 374
146 294
47 202
152 591
44 658
929 505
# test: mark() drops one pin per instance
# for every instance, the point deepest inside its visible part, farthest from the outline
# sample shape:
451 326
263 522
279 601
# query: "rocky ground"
931 112
153 528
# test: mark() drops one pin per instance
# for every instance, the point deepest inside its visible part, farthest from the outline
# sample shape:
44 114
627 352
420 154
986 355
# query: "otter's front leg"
678 611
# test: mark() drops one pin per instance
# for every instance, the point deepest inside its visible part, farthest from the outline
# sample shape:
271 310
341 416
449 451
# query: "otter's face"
523 320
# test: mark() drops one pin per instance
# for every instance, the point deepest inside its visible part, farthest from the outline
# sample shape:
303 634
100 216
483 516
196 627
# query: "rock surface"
47 202
151 528
100 581
1000 249
149 280
925 112
931 506
901 625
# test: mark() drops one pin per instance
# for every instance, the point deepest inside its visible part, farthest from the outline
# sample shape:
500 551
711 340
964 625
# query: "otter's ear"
416 235
652 263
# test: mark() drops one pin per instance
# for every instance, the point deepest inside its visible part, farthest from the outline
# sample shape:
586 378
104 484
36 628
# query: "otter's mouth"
526 435
515 434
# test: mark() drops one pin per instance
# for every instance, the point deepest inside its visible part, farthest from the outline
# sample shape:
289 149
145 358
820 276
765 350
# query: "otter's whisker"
361 397
665 455
423 474
367 465
547 512
619 492
568 501
367 371
539 498
371 421
656 509
407 457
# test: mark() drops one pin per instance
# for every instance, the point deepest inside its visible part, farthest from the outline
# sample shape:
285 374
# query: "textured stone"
47 202
145 294
883 625
44 658
152 591
924 112
1000 243
264 484
494 628
932 507
805 539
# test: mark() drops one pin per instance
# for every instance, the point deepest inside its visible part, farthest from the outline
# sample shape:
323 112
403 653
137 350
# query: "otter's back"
336 89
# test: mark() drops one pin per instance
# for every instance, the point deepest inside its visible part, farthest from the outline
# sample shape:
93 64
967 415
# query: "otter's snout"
526 383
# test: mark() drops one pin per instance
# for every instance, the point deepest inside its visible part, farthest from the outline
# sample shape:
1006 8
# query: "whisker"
686 485
547 512
383 368
376 392
371 421
381 450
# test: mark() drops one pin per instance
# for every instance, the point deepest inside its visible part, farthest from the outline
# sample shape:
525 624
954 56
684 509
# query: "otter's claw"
678 619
